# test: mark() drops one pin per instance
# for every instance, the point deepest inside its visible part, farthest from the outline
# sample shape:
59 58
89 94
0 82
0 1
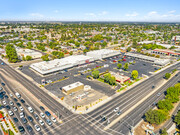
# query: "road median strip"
138 103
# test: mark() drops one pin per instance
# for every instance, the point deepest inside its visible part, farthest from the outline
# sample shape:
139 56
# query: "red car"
124 59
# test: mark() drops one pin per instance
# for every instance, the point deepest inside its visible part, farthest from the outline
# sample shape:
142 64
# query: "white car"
116 109
53 119
21 114
30 109
11 95
41 122
15 108
158 94
11 103
42 115
21 108
18 95
37 127
4 102
10 113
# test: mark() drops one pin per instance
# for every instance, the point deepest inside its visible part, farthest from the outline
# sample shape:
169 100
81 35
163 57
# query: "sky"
90 10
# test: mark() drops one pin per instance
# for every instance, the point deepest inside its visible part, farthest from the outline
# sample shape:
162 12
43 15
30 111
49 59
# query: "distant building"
103 53
72 88
156 61
27 52
151 32
146 42
165 52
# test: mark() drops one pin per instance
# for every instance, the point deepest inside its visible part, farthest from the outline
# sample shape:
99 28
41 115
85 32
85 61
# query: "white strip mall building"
47 67
103 53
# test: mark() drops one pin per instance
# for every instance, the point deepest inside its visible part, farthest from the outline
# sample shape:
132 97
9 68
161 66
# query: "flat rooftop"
60 64
72 86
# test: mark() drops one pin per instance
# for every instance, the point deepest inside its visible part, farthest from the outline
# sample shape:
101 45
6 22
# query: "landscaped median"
138 103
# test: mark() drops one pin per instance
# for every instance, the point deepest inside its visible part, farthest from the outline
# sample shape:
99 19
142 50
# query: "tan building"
72 88
120 78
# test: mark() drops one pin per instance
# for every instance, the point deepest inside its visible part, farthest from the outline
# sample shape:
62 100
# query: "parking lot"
29 118
75 74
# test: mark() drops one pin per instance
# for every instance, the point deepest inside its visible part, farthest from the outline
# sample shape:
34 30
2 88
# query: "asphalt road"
135 116
78 123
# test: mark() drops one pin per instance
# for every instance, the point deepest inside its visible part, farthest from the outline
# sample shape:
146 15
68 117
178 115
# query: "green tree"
156 116
167 75
71 53
28 58
107 77
126 66
134 74
165 105
172 93
11 53
24 58
95 74
112 80
119 65
128 49
45 57
163 132
177 118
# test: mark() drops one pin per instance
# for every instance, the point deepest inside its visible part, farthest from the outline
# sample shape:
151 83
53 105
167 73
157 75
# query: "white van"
17 95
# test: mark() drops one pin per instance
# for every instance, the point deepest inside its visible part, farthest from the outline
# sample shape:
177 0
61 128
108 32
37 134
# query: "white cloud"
37 15
172 11
152 13
103 13
56 11
133 14
90 14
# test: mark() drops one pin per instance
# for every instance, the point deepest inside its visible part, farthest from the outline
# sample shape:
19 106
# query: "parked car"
18 104
53 119
15 119
24 120
22 114
42 115
37 127
10 113
48 122
22 101
47 113
3 84
18 95
15 108
8 107
30 109
21 108
15 100
6 96
11 103
41 122
4 102
29 128
21 129
42 108
11 95
30 118
36 116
